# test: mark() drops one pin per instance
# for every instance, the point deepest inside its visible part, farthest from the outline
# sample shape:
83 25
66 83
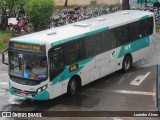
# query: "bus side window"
94 45
72 52
98 43
135 30
147 26
123 36
109 40
57 60
81 49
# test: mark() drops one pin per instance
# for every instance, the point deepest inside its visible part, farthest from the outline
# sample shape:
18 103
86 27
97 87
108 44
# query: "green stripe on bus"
35 42
144 17
80 36
66 74
42 96
134 46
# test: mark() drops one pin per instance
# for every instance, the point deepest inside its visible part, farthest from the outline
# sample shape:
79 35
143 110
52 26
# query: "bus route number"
73 67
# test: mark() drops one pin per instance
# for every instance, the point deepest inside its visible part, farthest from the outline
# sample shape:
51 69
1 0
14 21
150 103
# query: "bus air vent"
52 33
125 13
82 24
101 19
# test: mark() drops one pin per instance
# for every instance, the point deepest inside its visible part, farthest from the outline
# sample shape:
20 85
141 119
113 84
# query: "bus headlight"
41 89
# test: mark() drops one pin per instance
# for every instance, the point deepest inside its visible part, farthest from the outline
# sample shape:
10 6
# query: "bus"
49 63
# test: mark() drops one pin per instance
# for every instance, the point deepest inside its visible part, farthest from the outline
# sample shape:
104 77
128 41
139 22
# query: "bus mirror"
3 57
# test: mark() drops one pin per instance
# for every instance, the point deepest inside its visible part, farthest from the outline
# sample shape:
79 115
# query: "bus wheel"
72 87
127 63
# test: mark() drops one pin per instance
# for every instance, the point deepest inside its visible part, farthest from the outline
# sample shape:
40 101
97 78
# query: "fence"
85 2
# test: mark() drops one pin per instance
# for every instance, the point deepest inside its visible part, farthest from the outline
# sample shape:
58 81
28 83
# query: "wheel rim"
15 32
73 87
127 64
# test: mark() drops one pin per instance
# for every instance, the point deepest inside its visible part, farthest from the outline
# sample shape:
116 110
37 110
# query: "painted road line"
139 79
1 93
116 118
135 92
124 77
4 83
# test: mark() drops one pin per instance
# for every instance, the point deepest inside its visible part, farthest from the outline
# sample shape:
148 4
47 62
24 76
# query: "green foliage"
40 11
11 5
4 35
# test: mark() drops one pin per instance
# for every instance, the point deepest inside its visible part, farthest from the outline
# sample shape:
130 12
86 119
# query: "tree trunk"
125 5
66 3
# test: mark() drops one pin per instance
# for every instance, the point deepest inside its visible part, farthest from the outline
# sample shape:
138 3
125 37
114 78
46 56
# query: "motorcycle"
21 26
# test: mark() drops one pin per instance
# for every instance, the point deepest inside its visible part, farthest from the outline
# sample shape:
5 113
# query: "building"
85 2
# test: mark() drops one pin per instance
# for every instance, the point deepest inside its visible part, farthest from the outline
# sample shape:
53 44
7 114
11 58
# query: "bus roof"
84 28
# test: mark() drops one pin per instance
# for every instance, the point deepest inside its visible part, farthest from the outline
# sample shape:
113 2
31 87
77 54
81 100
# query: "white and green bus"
49 63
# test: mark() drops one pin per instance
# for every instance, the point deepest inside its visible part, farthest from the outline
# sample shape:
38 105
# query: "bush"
40 11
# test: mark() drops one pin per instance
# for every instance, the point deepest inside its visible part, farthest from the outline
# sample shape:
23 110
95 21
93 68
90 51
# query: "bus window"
94 45
81 49
72 49
123 35
98 42
147 26
57 60
109 40
135 30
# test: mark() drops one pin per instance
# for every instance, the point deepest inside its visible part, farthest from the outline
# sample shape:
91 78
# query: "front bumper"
44 95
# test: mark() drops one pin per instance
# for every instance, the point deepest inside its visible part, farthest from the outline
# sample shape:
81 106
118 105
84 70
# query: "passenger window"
109 40
123 35
72 52
135 29
147 27
94 44
57 60
81 49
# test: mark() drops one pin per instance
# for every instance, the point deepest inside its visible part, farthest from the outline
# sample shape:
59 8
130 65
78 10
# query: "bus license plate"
23 93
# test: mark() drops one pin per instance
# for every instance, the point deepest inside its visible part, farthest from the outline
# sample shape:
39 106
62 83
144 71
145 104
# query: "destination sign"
29 47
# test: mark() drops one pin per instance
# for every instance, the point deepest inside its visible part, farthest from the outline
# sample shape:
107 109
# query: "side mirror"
3 56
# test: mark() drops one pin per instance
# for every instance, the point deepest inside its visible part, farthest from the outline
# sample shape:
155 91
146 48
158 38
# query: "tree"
39 11
11 5
7 7
66 3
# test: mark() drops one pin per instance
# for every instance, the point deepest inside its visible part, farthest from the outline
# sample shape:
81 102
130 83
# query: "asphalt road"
132 91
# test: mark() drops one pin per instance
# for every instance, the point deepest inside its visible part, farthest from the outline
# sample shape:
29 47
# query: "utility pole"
145 3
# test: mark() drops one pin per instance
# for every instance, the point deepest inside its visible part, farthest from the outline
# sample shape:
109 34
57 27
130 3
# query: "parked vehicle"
79 13
21 26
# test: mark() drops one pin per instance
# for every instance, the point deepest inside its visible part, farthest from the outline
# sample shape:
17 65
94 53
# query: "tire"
15 32
30 29
127 63
72 87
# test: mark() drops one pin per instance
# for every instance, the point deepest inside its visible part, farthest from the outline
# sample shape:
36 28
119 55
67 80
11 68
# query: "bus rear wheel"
127 63
72 87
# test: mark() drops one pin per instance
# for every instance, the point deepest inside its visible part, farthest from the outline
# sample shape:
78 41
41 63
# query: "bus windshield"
27 65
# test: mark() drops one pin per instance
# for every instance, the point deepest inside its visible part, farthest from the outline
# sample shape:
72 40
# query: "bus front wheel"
72 87
127 63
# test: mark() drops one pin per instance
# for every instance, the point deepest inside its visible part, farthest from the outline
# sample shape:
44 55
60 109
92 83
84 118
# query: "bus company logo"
128 47
6 114
114 54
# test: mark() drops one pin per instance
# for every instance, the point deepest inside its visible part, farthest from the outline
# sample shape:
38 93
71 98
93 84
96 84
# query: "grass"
157 28
62 7
4 35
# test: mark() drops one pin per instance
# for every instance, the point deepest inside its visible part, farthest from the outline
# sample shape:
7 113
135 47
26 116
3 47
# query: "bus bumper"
44 95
